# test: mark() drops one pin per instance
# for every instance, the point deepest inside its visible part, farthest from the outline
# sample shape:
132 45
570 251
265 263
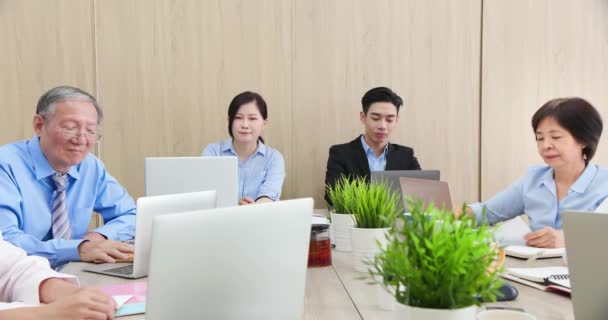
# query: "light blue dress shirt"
27 192
376 163
535 194
261 175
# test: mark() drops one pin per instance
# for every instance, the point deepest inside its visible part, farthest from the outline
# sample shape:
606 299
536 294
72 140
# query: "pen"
505 308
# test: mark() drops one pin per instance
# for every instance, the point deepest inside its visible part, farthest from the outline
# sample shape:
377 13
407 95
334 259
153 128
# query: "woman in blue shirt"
261 168
567 132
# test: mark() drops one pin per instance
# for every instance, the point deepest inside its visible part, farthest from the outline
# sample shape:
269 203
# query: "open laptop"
147 209
587 263
392 178
246 262
435 192
190 174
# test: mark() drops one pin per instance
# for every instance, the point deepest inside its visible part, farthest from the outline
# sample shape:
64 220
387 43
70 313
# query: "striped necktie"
61 219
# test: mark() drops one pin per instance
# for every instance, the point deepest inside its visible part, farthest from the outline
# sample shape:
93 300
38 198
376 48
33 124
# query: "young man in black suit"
372 151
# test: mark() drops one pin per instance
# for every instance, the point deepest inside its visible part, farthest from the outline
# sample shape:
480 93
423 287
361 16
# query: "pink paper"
137 289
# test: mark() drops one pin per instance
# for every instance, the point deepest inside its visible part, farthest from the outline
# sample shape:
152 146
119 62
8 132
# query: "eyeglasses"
73 132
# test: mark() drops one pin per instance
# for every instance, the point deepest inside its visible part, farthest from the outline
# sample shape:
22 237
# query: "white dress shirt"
21 275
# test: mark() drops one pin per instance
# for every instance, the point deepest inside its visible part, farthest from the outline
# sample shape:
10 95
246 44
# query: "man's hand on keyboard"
104 250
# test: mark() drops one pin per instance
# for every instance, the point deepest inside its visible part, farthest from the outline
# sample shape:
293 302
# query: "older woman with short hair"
567 132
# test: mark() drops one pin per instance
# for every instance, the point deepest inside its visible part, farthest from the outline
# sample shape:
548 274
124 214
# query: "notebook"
526 252
560 280
544 278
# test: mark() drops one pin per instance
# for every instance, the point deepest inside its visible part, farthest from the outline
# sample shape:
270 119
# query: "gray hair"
47 102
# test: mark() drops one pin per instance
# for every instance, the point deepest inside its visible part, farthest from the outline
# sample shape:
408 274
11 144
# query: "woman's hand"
86 303
245 200
546 237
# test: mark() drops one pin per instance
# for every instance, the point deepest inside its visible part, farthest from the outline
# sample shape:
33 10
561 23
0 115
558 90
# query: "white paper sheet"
120 300
512 232
319 220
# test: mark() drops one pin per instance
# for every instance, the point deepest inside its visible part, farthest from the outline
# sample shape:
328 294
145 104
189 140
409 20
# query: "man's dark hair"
380 94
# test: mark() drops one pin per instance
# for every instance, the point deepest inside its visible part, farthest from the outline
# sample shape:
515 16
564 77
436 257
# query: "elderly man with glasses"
50 185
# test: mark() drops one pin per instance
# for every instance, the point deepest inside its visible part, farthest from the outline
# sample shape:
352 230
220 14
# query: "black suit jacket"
349 159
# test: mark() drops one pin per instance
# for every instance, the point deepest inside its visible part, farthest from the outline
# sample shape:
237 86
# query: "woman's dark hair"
245 98
577 116
380 94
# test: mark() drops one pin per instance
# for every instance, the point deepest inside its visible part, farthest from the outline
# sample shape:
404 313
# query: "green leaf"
372 204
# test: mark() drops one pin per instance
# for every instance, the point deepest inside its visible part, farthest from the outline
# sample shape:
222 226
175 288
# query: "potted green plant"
340 194
374 207
438 266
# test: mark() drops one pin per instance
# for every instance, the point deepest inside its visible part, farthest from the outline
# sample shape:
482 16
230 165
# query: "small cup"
504 315
319 251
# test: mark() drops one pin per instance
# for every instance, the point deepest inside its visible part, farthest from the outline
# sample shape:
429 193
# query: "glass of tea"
319 252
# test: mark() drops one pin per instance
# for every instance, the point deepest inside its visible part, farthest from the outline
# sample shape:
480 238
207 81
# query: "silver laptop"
246 262
587 263
429 191
190 174
392 178
147 209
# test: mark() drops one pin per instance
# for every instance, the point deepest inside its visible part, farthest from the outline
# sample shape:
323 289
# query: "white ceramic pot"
412 313
504 315
385 297
342 226
365 247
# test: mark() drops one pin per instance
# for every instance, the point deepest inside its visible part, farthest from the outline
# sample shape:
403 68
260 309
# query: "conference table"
339 292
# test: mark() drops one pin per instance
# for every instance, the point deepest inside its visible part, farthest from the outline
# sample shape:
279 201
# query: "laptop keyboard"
128 269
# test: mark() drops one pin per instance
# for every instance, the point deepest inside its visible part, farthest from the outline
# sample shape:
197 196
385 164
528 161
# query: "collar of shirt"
580 185
226 146
369 149
41 165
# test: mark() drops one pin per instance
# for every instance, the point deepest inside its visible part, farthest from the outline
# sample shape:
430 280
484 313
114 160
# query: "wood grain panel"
43 44
427 51
168 70
534 51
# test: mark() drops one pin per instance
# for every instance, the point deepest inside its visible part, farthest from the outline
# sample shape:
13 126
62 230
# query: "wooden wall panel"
43 44
533 51
427 51
165 71
168 70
